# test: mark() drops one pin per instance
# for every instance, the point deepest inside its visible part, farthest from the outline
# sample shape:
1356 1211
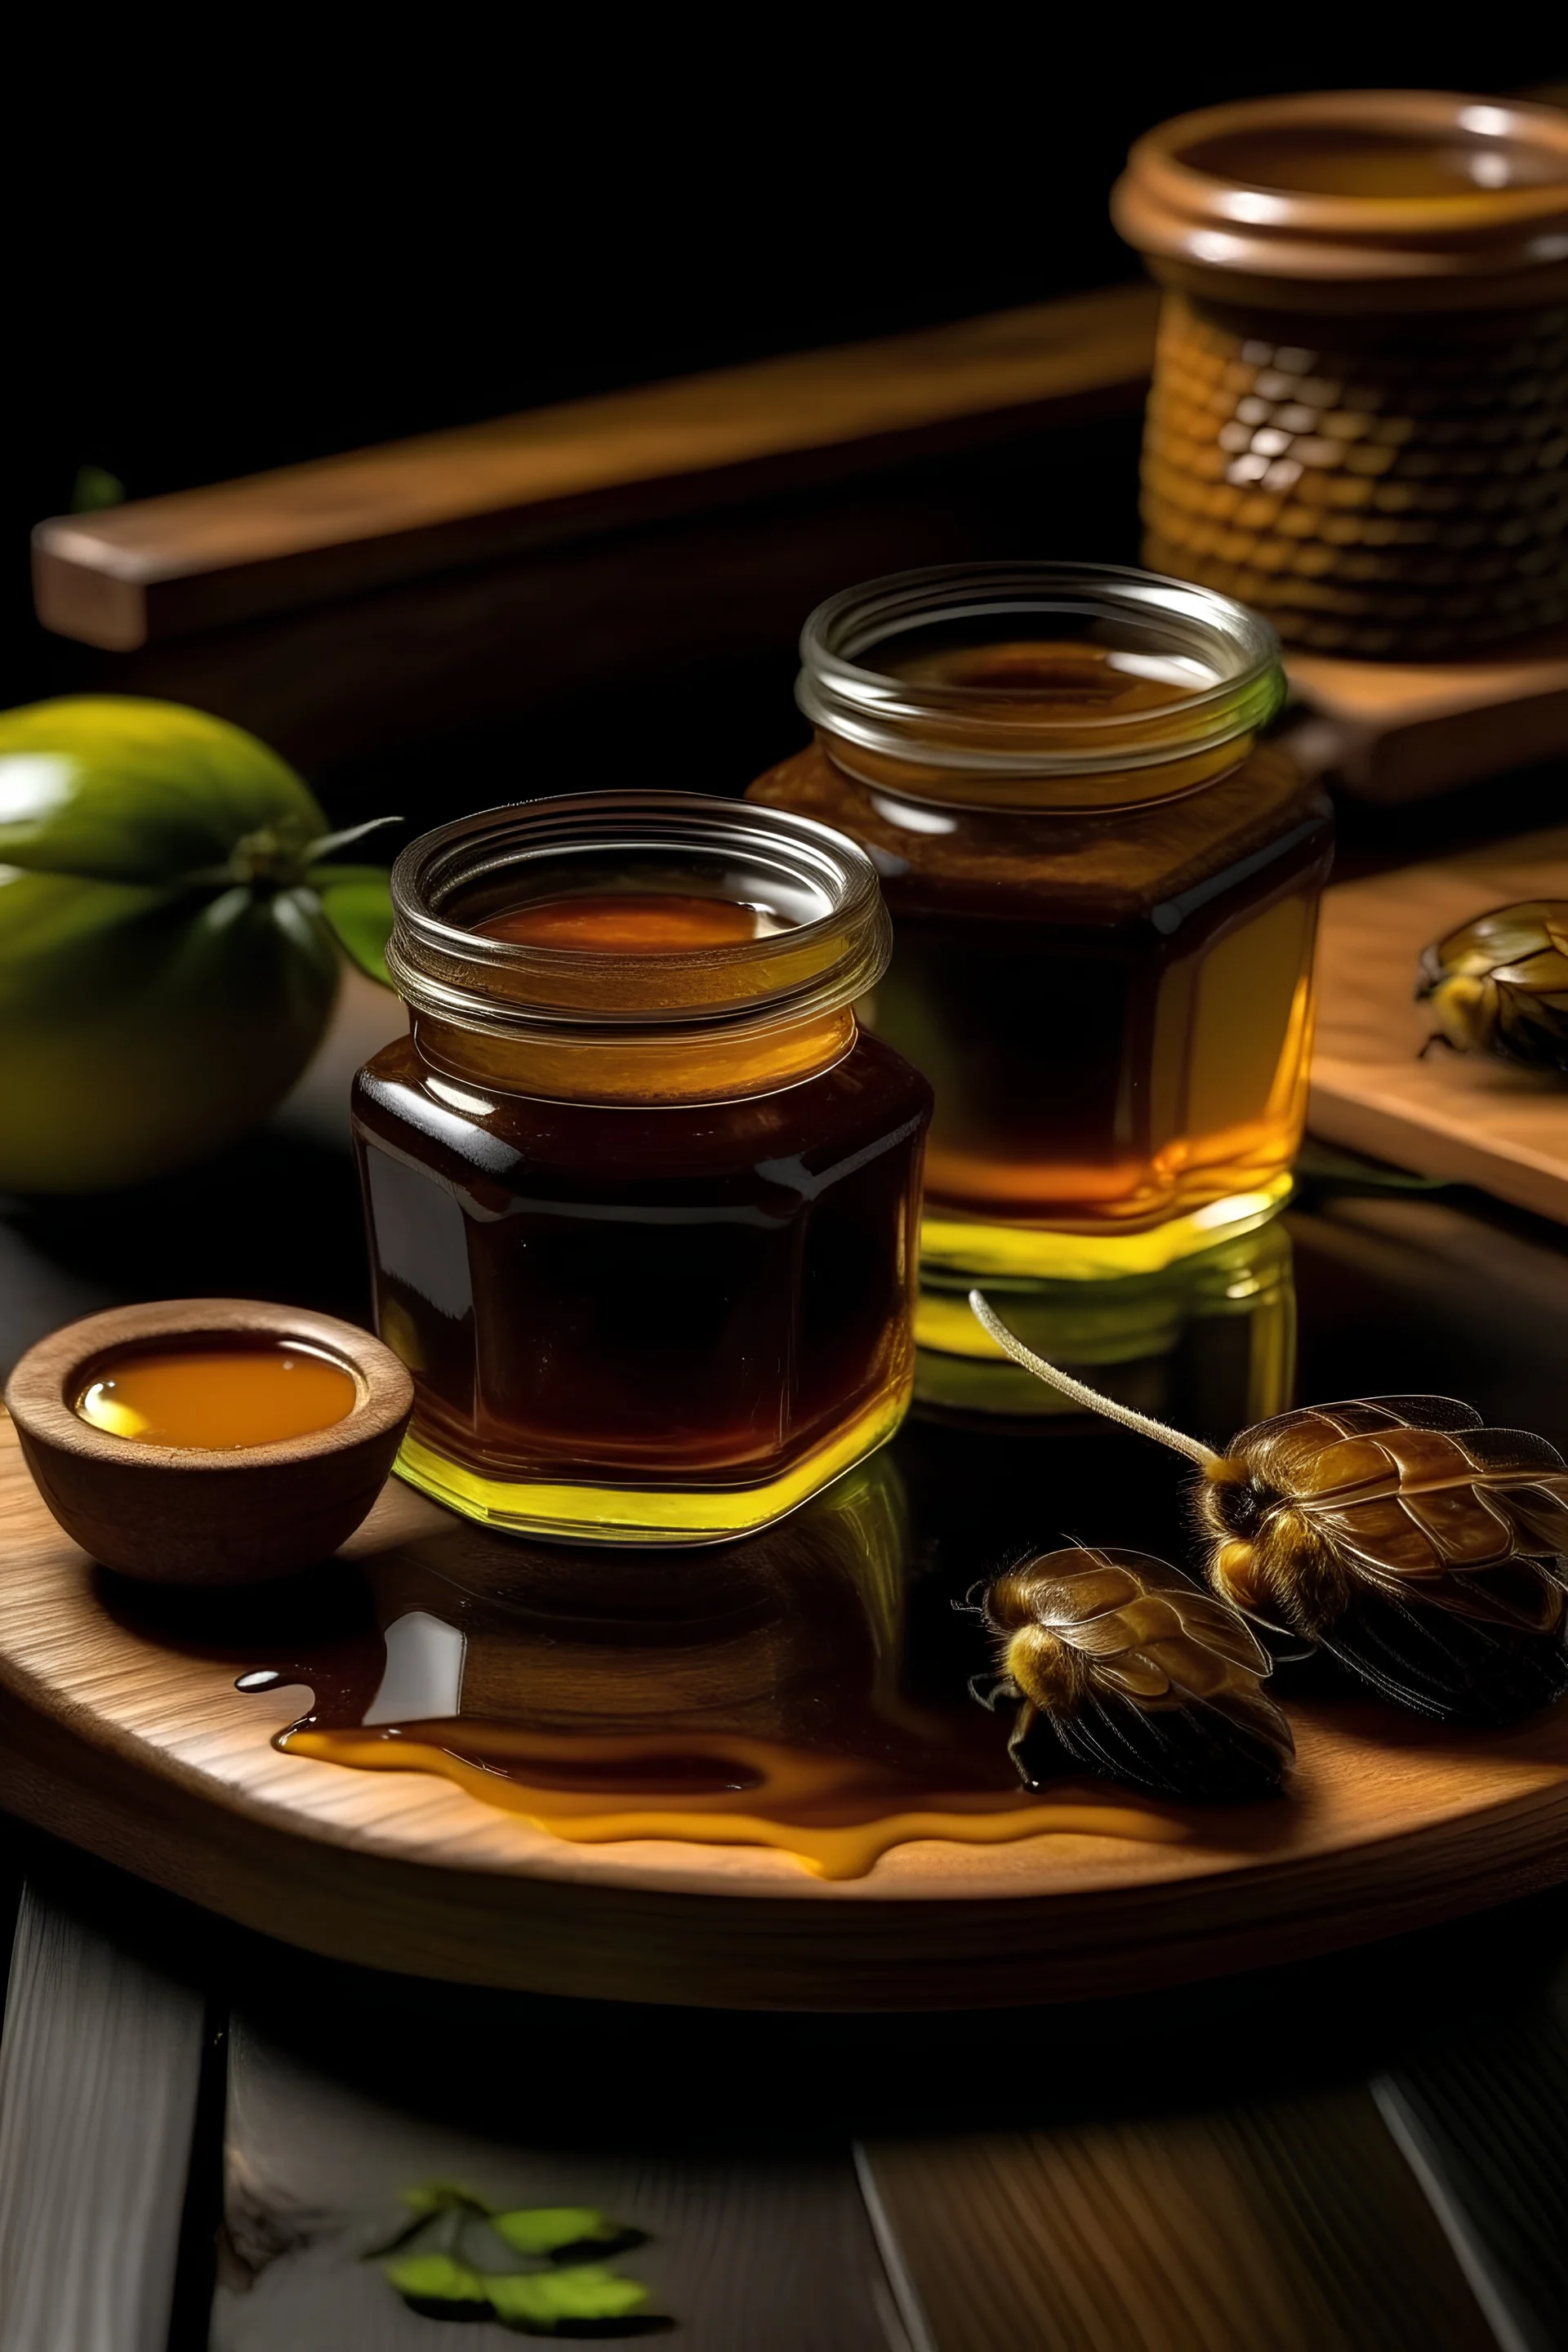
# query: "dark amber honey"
1116 1030
653 1275
629 922
665 1289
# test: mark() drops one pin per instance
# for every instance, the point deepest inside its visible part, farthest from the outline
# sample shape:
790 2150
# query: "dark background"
288 256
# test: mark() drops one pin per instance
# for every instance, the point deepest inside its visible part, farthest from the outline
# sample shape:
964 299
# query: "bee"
1425 1552
1122 1661
1499 985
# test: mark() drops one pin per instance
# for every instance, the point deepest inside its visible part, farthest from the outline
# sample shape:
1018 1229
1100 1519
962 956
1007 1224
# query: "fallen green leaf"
1319 1166
545 2229
441 2197
542 2298
436 2278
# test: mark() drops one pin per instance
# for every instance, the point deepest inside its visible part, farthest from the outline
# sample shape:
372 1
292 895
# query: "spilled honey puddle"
836 1815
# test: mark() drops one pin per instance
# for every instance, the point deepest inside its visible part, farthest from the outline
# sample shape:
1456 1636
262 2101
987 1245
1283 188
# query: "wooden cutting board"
152 1759
1472 1121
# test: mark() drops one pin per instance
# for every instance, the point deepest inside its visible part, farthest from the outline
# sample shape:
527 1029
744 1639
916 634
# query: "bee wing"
1538 1517
1419 1411
1314 1450
1451 1547
1203 1753
1506 1454
1503 935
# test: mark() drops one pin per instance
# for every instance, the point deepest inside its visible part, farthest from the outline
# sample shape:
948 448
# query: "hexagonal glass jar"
641 1195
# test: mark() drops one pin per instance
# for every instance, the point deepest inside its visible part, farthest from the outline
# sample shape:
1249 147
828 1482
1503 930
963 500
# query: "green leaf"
542 2298
317 850
357 904
94 488
436 2278
1320 1166
443 2197
543 2229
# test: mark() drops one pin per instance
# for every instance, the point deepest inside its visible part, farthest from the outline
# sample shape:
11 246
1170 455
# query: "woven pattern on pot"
1394 489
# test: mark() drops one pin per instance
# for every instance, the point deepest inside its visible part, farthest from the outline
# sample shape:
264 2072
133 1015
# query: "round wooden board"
154 1761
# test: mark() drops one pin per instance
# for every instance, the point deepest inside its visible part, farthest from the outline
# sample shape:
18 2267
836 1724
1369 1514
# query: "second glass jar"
1104 887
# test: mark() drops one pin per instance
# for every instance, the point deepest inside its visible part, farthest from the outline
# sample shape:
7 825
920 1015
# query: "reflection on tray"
806 1689
1217 1330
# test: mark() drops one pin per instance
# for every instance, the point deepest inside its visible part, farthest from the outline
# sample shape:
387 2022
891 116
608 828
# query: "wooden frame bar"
336 528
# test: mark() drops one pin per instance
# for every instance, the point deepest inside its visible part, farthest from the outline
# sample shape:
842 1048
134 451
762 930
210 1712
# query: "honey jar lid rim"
979 730
815 965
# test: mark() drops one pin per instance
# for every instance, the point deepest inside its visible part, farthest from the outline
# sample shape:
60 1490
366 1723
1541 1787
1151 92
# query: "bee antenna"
1081 1394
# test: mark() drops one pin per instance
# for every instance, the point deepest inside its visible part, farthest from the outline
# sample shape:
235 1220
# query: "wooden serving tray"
1464 1118
152 1759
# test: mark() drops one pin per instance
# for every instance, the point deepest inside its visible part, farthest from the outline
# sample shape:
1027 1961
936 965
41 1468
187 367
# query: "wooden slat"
274 541
100 2065
746 2252
1484 2122
1298 2227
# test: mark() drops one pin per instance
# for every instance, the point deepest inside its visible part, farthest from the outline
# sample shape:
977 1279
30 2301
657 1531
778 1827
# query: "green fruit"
166 968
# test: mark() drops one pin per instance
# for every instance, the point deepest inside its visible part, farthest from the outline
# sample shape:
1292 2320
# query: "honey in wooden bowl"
213 1395
209 1441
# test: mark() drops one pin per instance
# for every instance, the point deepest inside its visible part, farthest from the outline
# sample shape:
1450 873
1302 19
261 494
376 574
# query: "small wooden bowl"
183 1514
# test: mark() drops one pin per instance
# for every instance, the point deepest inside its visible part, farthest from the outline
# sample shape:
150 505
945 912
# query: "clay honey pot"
1359 422
216 1508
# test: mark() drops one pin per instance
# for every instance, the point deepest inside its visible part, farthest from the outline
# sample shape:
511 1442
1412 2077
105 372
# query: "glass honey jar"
641 1195
1104 885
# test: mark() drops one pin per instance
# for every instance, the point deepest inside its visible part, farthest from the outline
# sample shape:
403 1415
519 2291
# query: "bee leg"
991 1686
1436 1038
973 1602
1024 1722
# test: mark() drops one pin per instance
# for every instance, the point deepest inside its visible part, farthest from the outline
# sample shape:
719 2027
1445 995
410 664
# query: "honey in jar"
1104 885
641 1195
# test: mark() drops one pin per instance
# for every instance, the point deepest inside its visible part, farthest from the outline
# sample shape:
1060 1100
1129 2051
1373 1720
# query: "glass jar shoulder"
871 1096
1072 865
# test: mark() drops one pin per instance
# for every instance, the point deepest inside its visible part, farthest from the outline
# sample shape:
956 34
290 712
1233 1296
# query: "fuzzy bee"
1427 1553
1500 985
1123 1663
